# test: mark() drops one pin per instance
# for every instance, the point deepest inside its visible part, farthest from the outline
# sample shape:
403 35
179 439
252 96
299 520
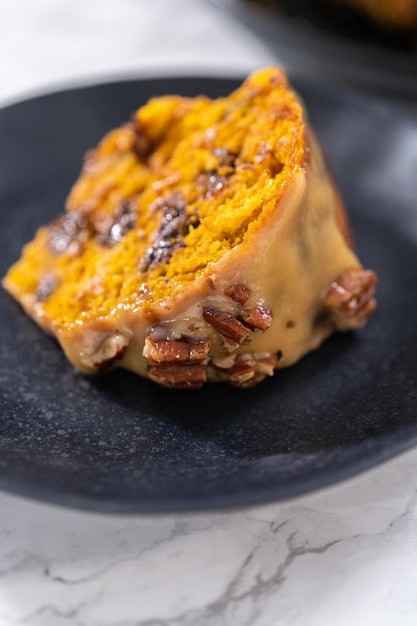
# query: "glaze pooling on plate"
120 444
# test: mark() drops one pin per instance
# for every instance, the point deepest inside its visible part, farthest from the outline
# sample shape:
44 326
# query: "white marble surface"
346 555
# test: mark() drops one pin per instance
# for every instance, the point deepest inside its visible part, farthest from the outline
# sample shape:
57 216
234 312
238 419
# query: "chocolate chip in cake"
258 317
68 233
238 292
123 221
177 375
168 237
232 329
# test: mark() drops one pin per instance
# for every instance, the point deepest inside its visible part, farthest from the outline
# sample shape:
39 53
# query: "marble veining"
345 553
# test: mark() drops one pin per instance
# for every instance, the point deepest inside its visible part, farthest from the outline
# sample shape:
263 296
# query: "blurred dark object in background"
331 41
387 24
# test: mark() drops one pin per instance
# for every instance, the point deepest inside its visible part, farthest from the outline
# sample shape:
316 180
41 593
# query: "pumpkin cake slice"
203 240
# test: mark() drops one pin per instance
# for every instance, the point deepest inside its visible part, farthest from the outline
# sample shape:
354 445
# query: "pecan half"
46 286
233 330
178 376
251 368
238 293
241 373
349 300
258 317
187 350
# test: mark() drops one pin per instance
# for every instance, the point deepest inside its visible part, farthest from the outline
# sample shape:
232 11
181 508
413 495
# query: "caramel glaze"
287 267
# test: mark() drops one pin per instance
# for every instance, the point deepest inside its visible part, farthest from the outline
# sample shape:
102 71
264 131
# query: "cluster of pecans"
350 300
183 362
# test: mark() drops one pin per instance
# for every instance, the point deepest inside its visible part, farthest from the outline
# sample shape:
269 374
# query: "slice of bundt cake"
204 240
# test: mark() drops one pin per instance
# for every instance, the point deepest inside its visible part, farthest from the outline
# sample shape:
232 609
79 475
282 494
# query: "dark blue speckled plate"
119 443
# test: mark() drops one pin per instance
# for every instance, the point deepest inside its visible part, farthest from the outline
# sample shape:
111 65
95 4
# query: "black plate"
119 443
333 44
